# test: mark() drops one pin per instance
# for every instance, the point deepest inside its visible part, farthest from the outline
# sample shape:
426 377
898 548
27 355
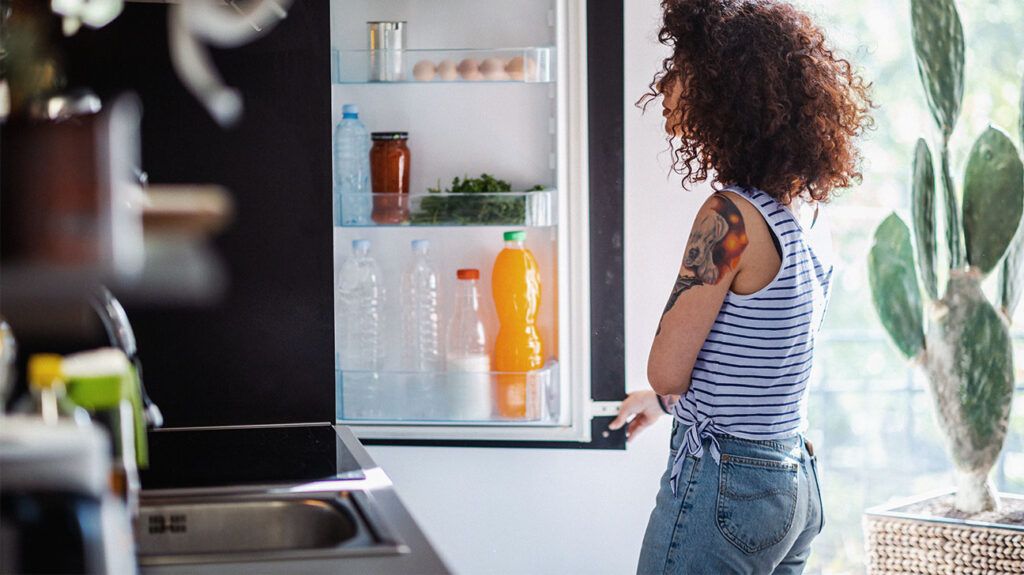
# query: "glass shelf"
525 209
473 66
445 398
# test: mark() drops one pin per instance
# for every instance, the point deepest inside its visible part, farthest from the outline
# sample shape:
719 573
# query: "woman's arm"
710 262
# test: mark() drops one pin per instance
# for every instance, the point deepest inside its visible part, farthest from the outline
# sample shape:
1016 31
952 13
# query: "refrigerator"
528 92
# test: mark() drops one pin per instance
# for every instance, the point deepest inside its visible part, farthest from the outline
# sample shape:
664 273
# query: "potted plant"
959 338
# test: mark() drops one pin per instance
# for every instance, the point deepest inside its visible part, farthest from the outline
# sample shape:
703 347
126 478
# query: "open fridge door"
464 245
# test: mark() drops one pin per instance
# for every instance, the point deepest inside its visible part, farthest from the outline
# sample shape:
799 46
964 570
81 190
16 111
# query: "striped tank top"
750 377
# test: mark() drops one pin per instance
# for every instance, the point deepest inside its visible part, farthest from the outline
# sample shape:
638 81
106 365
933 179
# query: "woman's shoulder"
750 210
763 249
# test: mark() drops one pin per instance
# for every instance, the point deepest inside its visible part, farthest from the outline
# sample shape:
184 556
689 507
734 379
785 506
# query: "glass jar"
389 175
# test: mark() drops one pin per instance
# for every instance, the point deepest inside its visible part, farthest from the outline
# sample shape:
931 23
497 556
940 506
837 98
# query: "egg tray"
517 65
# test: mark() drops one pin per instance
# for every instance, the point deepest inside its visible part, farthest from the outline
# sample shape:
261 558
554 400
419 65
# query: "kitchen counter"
357 472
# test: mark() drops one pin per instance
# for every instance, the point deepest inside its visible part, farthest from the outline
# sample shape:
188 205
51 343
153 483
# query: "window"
870 410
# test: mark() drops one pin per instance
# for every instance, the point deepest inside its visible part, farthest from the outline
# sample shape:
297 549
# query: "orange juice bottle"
515 284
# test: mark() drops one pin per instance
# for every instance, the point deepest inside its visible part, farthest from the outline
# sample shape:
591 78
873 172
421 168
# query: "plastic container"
522 208
352 200
516 288
507 65
421 323
358 329
468 386
359 313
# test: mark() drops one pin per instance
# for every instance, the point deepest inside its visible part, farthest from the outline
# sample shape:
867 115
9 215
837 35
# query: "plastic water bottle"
468 389
421 324
359 332
352 200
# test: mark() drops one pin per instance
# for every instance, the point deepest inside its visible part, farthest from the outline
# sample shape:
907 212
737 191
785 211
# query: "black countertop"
267 455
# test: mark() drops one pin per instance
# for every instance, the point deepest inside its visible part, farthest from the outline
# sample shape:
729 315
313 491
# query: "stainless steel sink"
221 527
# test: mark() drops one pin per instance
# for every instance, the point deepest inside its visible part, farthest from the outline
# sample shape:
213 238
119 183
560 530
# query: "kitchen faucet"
119 330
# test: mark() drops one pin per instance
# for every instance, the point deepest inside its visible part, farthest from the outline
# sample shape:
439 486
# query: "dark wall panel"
264 354
605 53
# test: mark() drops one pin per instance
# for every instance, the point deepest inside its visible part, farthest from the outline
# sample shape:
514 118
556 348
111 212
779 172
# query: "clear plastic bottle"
469 383
359 317
421 325
358 331
352 200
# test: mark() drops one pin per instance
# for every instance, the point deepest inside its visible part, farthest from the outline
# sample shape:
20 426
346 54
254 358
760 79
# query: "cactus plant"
961 340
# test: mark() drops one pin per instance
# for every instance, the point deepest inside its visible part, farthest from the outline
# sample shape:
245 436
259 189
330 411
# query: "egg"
493 69
469 69
424 71
446 70
520 68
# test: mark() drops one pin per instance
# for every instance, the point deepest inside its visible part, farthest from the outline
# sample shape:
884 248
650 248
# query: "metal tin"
386 44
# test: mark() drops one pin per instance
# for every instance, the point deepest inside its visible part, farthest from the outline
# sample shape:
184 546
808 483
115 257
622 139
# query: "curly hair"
764 101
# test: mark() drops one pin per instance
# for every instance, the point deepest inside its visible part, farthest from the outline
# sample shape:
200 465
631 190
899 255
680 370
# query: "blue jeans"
756 511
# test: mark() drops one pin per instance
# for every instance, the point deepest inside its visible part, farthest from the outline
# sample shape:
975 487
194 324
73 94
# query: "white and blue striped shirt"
750 377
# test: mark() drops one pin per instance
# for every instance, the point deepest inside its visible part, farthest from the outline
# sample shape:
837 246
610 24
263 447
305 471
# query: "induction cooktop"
265 455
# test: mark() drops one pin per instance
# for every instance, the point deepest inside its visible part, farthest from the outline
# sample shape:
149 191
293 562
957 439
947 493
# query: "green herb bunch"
465 209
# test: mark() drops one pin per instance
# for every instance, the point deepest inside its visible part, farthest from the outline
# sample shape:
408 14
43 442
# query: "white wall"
554 511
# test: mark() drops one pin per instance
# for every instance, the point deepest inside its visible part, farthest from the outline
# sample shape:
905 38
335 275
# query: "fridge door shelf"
470 66
449 397
524 209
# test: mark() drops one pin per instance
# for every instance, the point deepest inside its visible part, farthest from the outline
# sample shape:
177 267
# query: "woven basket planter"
900 539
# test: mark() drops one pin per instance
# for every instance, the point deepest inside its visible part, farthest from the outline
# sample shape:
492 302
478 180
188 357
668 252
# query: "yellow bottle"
515 285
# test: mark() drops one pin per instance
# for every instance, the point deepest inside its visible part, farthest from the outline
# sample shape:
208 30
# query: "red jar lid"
468 274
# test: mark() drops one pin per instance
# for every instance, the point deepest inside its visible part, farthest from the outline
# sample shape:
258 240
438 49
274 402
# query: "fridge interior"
510 124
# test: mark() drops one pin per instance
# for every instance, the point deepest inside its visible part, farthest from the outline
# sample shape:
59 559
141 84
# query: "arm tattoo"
716 242
683 283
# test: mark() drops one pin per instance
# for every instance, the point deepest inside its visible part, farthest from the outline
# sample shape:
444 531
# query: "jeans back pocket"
757 501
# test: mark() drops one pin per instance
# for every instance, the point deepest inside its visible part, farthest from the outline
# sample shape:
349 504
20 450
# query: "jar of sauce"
389 176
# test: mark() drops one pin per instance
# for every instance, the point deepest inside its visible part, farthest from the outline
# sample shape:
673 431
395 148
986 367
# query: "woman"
756 101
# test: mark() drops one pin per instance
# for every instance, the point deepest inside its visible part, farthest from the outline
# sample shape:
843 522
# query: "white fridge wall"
538 512
455 130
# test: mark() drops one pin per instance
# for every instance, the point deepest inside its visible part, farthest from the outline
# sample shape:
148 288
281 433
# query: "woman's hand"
644 405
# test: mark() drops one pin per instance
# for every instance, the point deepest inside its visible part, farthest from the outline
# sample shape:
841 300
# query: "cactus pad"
923 203
981 369
894 286
939 45
993 198
1011 276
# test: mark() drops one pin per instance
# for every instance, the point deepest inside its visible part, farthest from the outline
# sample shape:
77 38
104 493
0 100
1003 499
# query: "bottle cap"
44 369
350 111
515 236
419 246
389 135
358 245
468 274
